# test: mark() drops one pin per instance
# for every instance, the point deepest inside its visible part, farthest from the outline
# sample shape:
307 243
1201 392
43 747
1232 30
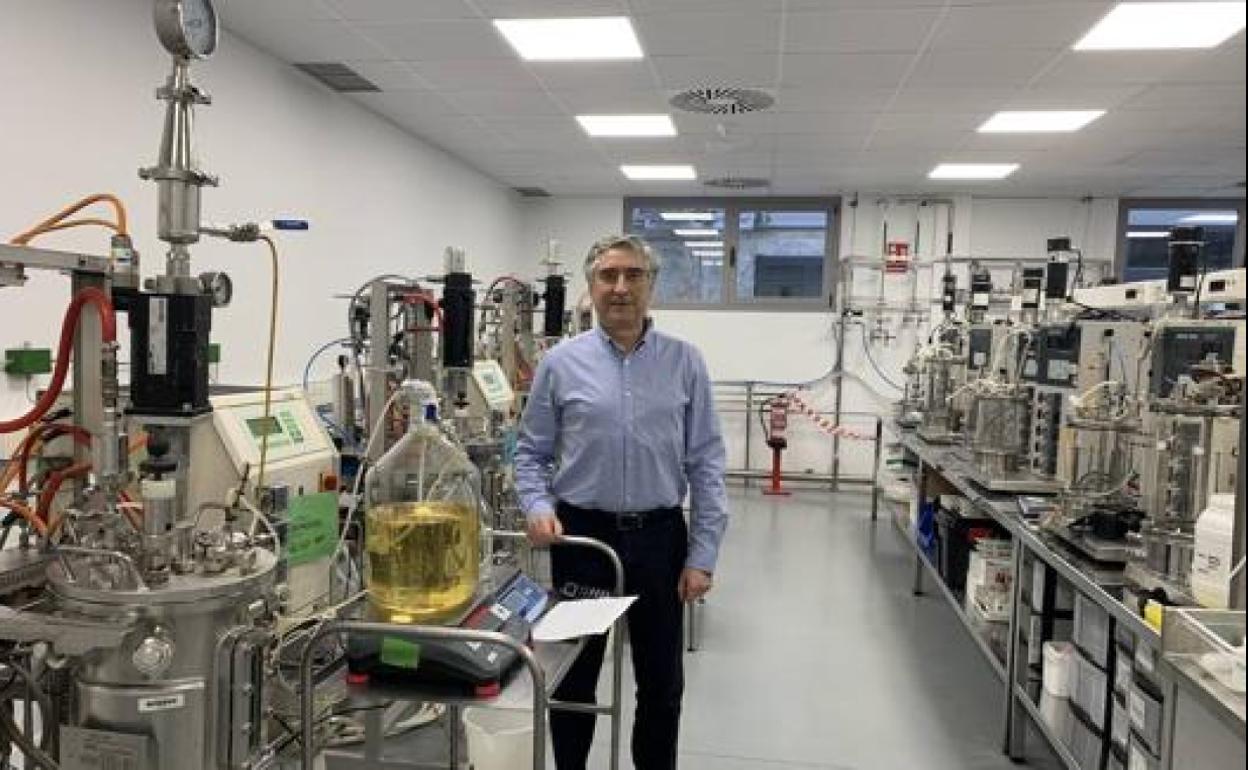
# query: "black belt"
622 521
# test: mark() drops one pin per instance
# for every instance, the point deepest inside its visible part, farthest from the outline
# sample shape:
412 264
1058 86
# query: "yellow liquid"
421 560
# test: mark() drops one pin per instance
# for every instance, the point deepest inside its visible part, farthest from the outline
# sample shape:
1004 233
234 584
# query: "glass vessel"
423 528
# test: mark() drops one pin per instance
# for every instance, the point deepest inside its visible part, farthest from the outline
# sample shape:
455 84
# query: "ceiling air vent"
531 192
337 76
722 101
737 182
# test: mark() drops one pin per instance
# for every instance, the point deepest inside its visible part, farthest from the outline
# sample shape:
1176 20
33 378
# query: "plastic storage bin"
957 535
1092 630
1059 668
1139 757
1091 689
499 739
1145 714
1119 725
1086 745
1124 674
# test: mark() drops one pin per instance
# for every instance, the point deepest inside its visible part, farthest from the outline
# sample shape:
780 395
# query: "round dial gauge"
187 27
219 287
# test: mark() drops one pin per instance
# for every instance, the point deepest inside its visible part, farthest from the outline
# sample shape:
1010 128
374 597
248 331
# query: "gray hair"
629 242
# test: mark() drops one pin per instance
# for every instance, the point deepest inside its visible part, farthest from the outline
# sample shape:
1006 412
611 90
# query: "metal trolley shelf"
546 665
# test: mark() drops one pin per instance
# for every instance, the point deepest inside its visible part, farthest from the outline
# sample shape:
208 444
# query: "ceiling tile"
397 10
503 103
1034 25
1081 68
476 75
823 122
831 98
294 40
978 68
433 40
1225 65
397 103
700 34
640 7
387 75
1185 97
606 77
858 31
237 13
680 72
1009 143
518 9
961 122
916 137
915 98
595 101
1071 97
847 70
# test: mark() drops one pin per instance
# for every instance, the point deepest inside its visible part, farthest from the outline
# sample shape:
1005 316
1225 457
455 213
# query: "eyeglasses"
611 275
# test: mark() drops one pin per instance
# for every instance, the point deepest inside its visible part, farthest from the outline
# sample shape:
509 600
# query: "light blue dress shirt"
625 432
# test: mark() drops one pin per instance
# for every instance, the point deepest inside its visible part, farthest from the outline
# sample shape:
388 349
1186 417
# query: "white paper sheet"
580 617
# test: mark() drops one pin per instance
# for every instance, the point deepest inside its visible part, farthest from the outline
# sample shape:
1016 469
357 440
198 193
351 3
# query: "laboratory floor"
814 655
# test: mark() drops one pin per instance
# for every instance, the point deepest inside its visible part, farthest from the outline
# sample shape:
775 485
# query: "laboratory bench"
1129 691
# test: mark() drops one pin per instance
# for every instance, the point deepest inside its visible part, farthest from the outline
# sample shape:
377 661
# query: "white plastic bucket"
1059 664
499 739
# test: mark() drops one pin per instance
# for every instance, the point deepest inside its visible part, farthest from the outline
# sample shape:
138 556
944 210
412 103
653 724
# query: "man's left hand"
694 583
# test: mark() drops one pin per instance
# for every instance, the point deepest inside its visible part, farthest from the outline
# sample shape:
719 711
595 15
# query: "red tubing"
48 433
69 327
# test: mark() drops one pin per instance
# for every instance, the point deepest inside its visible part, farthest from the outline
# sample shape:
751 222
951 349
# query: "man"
620 421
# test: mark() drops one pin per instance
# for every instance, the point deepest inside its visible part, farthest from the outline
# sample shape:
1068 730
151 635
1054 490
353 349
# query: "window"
1144 227
762 253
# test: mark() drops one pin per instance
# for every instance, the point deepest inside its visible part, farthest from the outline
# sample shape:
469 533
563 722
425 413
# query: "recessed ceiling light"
707 252
704 244
659 173
1021 121
1148 233
686 216
1212 218
696 232
972 171
627 125
605 37
1151 26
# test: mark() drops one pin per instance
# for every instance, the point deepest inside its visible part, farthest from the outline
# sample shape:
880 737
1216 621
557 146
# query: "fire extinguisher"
778 422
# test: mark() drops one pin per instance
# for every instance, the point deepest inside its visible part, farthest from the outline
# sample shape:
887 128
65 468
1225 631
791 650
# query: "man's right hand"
544 529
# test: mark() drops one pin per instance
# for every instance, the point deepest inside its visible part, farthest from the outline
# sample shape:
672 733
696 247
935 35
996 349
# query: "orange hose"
118 207
67 225
51 487
24 511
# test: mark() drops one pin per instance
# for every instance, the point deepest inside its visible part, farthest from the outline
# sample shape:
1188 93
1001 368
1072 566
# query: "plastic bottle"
1212 557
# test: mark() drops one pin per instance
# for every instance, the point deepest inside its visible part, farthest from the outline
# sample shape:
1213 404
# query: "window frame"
733 206
1125 205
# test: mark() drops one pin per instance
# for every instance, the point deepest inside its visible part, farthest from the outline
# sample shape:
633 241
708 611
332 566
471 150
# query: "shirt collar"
647 336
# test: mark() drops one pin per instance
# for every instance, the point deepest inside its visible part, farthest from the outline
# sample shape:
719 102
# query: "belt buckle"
629 521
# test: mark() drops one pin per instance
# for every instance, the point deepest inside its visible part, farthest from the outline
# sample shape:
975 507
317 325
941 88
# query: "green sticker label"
399 652
313 529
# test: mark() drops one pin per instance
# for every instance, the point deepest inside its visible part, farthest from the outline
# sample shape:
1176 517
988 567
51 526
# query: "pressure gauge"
187 27
219 287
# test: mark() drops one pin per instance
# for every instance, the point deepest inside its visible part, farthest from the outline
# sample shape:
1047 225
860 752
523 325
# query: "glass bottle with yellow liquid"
423 527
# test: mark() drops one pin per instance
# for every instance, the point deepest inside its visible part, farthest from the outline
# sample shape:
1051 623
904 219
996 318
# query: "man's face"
621 289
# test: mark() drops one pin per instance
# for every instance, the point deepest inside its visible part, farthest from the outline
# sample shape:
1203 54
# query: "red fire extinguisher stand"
778 422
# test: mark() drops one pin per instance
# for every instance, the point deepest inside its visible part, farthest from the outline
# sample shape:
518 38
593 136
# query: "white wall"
79 116
801 346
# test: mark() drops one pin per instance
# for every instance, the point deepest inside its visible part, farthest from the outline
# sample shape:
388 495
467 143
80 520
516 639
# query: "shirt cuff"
540 505
702 561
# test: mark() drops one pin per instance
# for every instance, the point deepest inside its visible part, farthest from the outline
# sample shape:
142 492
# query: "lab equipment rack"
946 469
546 663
